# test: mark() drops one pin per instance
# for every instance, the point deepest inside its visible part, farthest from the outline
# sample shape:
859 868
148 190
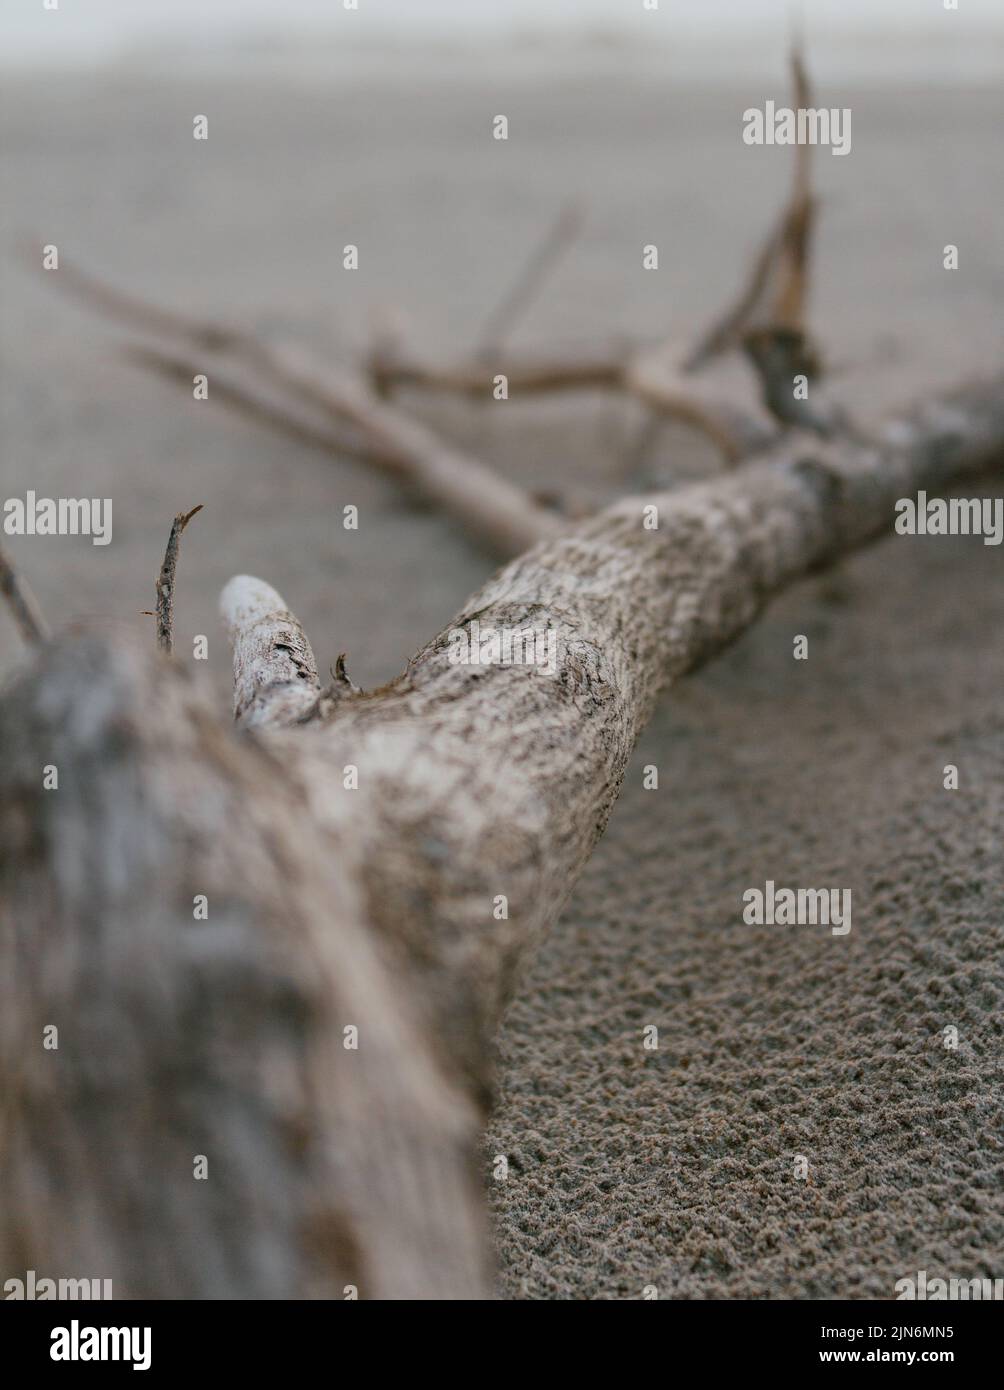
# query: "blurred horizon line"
881 53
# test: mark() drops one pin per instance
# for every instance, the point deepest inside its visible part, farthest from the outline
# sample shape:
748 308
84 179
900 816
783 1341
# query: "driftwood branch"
291 419
507 519
650 375
767 321
392 369
774 296
285 387
277 954
655 379
322 1035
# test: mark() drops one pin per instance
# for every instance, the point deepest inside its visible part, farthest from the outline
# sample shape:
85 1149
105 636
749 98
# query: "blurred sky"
85 30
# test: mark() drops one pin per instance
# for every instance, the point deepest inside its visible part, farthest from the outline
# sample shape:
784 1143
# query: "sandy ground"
627 1167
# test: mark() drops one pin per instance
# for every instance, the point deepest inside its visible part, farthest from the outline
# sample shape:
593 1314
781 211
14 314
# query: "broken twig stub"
165 582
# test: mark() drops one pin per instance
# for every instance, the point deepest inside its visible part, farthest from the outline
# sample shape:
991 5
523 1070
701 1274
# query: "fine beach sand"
627 1168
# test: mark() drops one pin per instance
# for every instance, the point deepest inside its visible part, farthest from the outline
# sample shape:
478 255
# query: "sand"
627 1168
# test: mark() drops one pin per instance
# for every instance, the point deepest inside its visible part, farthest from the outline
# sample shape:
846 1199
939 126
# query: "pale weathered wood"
275 673
495 510
334 905
222 1037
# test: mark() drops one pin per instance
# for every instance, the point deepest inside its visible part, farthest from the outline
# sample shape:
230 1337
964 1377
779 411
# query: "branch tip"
23 605
165 582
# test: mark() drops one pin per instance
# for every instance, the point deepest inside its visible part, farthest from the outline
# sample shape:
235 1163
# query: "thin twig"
648 374
574 371
341 676
527 284
487 504
726 331
774 294
165 583
287 418
22 602
735 430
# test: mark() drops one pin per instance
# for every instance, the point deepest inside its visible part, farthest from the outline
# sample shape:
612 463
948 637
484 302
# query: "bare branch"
648 374
360 1166
23 605
370 907
774 295
735 430
528 283
287 417
133 312
488 505
165 582
726 331
579 371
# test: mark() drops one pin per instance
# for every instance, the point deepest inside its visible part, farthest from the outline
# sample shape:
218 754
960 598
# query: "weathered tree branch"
485 503
774 295
738 432
768 321
282 952
291 419
351 868
197 939
650 375
529 376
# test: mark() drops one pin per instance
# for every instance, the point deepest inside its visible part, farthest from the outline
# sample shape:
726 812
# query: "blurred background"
329 126
373 126
851 30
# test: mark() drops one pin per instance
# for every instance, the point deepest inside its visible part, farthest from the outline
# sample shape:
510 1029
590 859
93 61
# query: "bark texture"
275 672
335 905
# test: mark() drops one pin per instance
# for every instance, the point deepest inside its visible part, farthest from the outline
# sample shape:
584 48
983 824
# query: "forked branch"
486 504
323 1038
